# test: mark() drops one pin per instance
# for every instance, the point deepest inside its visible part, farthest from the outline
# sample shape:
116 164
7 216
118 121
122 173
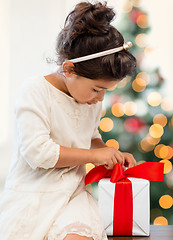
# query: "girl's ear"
68 68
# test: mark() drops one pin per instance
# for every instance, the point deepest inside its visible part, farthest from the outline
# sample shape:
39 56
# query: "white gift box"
141 205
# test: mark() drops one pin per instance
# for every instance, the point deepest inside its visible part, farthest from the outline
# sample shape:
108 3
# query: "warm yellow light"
112 143
89 166
160 221
139 85
141 40
156 131
157 150
130 108
166 201
127 7
145 146
167 166
167 104
142 21
148 50
154 99
136 3
118 109
152 141
160 119
106 124
112 88
163 152
144 76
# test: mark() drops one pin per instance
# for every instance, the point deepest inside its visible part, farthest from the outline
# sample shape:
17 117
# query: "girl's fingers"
119 157
110 165
129 160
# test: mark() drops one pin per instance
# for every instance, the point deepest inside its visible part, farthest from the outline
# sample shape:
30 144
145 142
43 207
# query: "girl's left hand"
129 160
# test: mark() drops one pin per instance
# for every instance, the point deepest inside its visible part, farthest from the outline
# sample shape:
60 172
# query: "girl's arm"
107 156
97 143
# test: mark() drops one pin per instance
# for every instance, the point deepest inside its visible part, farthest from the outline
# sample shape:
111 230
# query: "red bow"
152 171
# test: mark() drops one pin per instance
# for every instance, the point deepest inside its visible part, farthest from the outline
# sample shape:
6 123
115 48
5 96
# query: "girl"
57 118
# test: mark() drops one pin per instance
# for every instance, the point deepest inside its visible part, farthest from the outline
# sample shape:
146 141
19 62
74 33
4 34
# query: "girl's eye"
96 90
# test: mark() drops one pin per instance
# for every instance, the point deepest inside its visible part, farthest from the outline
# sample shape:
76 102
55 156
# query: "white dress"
41 202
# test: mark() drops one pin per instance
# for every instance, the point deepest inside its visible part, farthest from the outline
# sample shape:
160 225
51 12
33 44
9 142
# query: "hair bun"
87 18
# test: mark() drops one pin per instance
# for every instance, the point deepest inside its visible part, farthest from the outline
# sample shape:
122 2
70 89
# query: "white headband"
125 46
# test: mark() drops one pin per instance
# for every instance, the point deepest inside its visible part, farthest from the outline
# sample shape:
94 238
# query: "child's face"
85 90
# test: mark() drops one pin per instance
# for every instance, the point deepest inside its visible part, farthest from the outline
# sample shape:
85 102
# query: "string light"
130 108
118 109
142 21
141 40
112 88
89 166
144 76
157 150
136 3
154 99
160 119
127 7
112 143
167 104
139 84
166 201
156 130
160 221
167 166
106 124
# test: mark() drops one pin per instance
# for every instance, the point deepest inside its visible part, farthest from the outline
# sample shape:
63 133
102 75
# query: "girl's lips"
89 103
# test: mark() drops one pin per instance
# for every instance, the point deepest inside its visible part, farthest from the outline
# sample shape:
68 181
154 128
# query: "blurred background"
138 113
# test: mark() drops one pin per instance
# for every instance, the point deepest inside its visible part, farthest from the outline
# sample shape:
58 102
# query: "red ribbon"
123 199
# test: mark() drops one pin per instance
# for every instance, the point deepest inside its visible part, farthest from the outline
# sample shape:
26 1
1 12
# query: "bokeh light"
167 104
141 40
144 76
160 119
139 85
136 3
118 109
154 99
160 221
130 108
89 166
156 130
157 150
142 21
106 124
167 165
127 7
112 143
112 88
166 201
145 146
166 152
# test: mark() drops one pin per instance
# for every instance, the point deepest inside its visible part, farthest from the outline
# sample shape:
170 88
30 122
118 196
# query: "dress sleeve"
32 115
96 133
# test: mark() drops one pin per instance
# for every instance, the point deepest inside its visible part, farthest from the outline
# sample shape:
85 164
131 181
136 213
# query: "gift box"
141 206
124 200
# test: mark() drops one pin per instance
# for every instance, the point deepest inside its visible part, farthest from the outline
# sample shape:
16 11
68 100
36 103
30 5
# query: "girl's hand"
129 160
107 156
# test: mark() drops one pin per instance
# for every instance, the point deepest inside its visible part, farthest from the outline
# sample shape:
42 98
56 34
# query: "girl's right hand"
107 156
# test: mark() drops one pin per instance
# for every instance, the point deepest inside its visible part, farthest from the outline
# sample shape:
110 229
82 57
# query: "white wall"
28 34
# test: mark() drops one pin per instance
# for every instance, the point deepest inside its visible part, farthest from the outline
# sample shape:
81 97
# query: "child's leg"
76 237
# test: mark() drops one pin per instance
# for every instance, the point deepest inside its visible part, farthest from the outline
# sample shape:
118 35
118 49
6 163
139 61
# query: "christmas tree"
138 119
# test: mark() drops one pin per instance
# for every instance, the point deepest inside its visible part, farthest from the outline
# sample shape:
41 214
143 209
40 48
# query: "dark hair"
88 30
